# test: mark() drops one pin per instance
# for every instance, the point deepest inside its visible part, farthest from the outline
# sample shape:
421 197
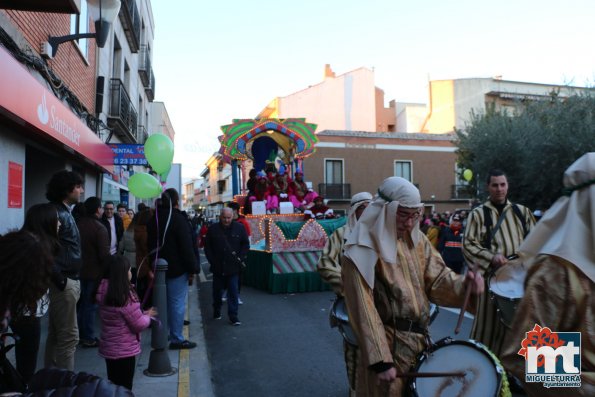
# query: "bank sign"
125 154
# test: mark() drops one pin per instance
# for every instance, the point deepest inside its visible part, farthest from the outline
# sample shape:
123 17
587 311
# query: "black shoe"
217 314
235 321
185 344
186 322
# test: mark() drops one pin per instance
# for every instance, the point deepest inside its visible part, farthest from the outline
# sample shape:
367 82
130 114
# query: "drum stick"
466 302
430 374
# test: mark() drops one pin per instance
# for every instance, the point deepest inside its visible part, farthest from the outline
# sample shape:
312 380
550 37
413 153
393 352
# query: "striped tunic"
561 297
487 327
400 291
329 265
329 268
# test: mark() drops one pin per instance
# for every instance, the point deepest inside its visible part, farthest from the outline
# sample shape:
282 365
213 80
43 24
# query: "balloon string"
154 267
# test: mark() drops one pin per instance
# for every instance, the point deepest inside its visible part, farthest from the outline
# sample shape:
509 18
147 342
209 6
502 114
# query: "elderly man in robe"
390 273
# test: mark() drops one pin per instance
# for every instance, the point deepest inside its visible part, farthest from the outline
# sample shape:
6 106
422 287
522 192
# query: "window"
221 187
333 173
403 169
80 24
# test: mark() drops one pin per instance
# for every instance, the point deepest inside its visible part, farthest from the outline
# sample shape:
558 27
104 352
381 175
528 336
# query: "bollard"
159 364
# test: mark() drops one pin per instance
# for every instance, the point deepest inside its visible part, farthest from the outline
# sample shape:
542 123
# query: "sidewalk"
193 371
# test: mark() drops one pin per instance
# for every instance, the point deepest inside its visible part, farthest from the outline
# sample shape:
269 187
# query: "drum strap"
487 221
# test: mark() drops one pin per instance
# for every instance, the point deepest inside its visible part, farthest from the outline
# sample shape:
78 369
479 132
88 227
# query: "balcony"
462 192
122 116
130 19
141 134
150 88
335 191
144 66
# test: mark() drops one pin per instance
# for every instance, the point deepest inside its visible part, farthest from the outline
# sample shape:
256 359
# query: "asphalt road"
284 346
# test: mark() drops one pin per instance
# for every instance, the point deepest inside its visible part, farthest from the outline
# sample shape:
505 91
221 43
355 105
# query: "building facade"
452 102
348 162
62 109
349 101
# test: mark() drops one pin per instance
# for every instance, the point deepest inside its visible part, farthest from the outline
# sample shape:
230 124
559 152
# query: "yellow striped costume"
487 327
561 297
329 268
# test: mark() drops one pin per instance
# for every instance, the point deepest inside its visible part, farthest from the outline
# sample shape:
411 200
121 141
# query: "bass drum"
483 373
506 288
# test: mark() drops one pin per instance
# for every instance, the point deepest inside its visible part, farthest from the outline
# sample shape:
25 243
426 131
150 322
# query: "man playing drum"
390 273
329 268
494 232
560 283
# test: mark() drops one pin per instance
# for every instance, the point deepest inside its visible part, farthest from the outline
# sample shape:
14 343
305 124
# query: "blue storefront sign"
126 154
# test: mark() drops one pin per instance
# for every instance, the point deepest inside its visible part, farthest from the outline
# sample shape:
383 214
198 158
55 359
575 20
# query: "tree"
534 146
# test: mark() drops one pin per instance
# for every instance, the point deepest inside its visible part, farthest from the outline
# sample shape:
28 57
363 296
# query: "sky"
216 61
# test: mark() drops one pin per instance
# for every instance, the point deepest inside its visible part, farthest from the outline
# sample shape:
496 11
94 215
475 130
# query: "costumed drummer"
390 273
329 268
494 232
560 284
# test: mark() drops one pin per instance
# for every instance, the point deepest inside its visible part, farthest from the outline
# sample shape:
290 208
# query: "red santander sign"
27 99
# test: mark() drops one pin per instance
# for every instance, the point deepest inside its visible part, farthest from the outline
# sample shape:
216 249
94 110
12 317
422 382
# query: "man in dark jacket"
95 251
175 245
64 190
114 225
226 247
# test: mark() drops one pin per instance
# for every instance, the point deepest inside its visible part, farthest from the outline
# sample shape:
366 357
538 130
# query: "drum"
483 373
340 319
506 287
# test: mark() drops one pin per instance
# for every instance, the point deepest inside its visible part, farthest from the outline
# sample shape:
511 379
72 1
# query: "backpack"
488 224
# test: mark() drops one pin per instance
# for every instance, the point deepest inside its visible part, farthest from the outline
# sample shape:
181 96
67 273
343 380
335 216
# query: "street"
284 346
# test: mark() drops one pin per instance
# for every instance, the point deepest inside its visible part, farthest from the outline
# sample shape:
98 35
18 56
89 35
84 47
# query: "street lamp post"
103 12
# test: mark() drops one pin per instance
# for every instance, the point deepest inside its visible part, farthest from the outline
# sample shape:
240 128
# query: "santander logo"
42 111
57 123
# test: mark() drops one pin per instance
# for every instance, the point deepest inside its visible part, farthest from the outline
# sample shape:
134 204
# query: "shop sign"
15 185
30 103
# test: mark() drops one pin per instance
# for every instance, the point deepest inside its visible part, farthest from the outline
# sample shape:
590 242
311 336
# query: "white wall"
345 102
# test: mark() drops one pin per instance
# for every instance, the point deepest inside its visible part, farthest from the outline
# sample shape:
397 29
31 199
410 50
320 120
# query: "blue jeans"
87 310
177 291
231 283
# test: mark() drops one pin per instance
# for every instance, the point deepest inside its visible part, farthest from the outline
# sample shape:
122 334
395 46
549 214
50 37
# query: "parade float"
285 247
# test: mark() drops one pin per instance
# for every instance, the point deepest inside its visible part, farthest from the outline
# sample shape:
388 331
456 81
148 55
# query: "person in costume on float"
319 210
262 192
299 193
279 189
390 273
560 281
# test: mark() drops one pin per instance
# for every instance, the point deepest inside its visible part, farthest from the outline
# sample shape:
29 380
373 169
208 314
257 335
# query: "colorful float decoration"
285 247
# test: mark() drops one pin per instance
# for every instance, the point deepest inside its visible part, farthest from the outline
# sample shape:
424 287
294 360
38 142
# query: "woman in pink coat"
122 320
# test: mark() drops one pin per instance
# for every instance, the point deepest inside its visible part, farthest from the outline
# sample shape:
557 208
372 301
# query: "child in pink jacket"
122 320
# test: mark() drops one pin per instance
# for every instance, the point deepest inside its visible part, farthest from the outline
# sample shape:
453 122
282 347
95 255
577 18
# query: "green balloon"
468 174
163 175
159 152
144 185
